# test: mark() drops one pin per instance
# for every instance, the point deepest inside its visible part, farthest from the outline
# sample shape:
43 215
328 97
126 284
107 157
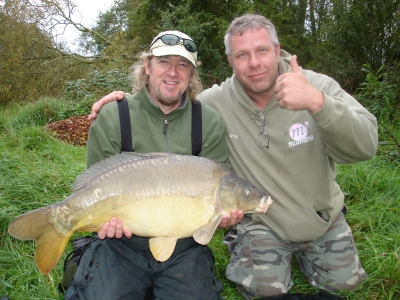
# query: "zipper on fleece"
165 127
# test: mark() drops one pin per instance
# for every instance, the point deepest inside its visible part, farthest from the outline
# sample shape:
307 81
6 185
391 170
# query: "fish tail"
50 245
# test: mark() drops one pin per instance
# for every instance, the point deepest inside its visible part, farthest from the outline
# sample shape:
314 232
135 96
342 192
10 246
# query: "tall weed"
381 97
378 94
44 111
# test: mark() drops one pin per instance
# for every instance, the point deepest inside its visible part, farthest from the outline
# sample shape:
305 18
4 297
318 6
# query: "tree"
204 20
357 33
332 37
23 52
32 61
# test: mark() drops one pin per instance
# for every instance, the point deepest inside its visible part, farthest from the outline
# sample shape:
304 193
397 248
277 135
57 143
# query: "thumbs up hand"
293 90
295 66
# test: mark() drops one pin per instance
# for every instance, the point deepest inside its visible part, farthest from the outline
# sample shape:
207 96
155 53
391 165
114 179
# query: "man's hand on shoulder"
113 96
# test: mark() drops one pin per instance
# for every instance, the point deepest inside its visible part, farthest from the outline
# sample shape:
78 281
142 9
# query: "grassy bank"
37 170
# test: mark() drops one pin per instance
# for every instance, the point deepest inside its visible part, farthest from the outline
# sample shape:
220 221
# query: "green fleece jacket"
153 131
298 169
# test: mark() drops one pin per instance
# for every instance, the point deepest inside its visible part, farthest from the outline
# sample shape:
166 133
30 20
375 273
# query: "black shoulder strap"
125 124
126 133
196 128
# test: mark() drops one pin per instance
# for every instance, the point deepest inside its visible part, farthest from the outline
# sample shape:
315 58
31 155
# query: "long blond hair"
140 79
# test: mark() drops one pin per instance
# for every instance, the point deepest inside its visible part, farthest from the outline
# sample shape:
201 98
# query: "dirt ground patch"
73 130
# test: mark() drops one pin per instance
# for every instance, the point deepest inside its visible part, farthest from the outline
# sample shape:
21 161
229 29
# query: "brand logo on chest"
299 134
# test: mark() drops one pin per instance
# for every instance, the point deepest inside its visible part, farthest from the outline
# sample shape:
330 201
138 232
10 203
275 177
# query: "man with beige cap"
119 265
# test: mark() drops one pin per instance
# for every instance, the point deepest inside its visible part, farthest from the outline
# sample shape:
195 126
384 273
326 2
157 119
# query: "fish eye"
248 192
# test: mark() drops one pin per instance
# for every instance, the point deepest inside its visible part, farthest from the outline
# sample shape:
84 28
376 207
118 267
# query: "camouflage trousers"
260 263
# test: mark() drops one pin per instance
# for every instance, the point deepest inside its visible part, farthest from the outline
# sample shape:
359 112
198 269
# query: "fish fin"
106 166
204 234
50 245
49 248
162 247
30 225
160 154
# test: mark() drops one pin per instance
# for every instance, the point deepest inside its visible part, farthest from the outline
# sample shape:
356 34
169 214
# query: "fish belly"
169 216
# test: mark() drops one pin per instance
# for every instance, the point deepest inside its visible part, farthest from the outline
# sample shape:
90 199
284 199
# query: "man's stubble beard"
168 101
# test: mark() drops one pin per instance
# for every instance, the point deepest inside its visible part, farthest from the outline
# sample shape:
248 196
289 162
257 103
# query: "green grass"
38 170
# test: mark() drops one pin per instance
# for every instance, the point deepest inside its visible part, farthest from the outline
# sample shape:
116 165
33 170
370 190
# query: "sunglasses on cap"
172 40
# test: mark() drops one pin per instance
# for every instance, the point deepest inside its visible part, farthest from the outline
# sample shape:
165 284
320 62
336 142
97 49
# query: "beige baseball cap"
174 42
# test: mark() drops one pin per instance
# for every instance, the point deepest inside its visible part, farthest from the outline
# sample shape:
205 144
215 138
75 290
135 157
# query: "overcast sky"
91 8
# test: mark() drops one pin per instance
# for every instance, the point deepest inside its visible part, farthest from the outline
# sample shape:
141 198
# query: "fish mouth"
265 203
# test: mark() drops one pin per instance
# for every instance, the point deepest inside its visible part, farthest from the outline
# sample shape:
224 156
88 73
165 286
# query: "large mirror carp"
163 196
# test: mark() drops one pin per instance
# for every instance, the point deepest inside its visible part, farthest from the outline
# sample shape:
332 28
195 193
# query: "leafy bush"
98 84
378 95
76 108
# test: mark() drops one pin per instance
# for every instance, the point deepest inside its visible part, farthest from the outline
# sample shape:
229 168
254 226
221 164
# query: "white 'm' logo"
298 132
